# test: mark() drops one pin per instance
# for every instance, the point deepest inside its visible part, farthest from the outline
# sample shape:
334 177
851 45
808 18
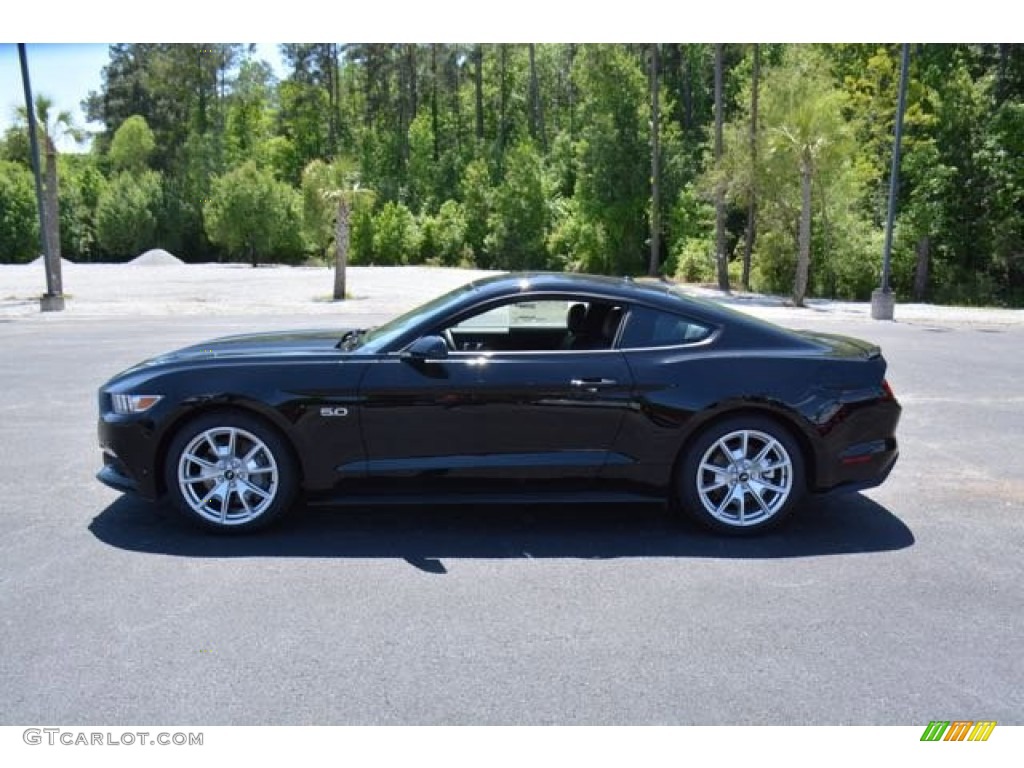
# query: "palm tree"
805 132
329 192
50 131
342 197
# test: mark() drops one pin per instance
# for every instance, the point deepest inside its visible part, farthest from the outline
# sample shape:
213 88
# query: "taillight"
888 390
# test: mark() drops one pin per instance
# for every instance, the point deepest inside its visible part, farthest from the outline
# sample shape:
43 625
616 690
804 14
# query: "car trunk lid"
843 346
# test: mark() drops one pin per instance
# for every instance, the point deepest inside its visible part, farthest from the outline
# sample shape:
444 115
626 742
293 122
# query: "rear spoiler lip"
836 344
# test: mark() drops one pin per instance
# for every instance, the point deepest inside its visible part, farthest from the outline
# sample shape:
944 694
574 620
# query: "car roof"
625 288
653 292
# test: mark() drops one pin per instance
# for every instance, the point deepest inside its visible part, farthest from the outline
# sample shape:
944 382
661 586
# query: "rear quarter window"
647 327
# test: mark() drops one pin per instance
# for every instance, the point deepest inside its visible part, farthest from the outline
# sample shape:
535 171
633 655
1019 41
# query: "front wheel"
742 475
228 471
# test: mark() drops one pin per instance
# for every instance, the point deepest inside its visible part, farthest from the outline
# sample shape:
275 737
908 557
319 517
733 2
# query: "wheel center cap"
229 475
744 476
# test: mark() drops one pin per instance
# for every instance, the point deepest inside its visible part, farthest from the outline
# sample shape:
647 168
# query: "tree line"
747 166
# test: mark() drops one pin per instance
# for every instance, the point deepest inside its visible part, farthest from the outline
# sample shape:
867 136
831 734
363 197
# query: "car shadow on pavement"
425 535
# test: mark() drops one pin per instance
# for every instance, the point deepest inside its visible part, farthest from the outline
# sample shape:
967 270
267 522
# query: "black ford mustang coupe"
520 386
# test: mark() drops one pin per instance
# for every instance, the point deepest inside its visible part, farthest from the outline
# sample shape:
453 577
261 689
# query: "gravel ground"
99 290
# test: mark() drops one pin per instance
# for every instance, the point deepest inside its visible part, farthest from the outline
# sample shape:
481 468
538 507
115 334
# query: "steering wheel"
446 334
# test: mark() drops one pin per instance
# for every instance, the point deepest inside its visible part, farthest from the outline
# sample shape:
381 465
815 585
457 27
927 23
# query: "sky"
67 72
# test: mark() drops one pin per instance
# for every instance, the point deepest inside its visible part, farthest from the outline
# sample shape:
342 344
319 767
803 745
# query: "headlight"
124 404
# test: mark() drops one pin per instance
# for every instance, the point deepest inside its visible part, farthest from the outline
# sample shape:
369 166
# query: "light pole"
53 299
882 301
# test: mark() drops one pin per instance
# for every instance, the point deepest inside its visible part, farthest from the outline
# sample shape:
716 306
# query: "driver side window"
535 326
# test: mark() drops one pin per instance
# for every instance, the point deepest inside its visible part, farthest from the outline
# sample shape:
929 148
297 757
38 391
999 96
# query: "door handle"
593 384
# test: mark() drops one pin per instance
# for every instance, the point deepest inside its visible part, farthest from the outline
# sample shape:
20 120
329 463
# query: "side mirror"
426 348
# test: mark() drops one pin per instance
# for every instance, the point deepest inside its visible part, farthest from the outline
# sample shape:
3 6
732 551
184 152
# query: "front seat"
611 326
576 322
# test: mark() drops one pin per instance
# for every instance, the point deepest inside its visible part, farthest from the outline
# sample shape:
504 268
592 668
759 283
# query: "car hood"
256 345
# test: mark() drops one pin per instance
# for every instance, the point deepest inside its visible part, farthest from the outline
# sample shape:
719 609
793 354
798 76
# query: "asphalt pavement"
897 606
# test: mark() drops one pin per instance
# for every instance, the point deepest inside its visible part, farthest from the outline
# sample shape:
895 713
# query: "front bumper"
112 475
129 446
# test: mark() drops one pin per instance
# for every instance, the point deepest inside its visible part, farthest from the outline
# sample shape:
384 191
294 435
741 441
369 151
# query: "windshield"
381 336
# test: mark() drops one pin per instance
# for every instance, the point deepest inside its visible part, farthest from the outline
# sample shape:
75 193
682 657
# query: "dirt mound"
155 257
38 262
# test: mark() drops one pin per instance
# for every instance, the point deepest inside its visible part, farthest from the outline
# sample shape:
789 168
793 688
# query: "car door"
490 417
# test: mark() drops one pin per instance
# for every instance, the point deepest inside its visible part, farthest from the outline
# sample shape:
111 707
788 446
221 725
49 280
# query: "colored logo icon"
958 730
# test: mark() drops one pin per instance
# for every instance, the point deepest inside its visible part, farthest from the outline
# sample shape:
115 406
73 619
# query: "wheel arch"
226 404
785 418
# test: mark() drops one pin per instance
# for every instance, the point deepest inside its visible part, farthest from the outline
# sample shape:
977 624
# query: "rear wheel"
228 471
742 475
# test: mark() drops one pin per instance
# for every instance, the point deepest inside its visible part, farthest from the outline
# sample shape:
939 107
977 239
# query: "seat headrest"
576 318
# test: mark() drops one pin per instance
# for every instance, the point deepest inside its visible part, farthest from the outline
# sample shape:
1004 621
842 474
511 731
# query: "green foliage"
999 158
14 146
443 237
323 186
309 99
516 238
847 249
614 162
691 237
19 214
476 196
423 166
561 165
249 124
774 260
255 216
278 154
361 232
132 145
82 185
577 243
302 109
177 88
395 235
694 259
803 135
126 214
545 161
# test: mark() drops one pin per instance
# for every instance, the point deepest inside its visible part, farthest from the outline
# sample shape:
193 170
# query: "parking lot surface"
897 606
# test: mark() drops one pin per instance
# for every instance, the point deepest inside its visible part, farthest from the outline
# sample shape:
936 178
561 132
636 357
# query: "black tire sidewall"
287 475
686 480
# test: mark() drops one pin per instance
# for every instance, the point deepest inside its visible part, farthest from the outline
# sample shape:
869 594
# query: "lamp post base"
51 302
883 304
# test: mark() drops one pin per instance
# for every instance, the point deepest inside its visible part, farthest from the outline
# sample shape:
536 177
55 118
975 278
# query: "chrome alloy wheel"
744 478
228 476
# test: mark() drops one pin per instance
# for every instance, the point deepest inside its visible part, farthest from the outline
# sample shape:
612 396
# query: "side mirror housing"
426 348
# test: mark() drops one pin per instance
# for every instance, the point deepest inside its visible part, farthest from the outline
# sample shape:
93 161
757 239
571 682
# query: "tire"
229 472
741 476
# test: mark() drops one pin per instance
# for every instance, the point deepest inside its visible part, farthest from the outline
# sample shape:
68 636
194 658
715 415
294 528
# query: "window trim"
489 304
626 303
714 331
